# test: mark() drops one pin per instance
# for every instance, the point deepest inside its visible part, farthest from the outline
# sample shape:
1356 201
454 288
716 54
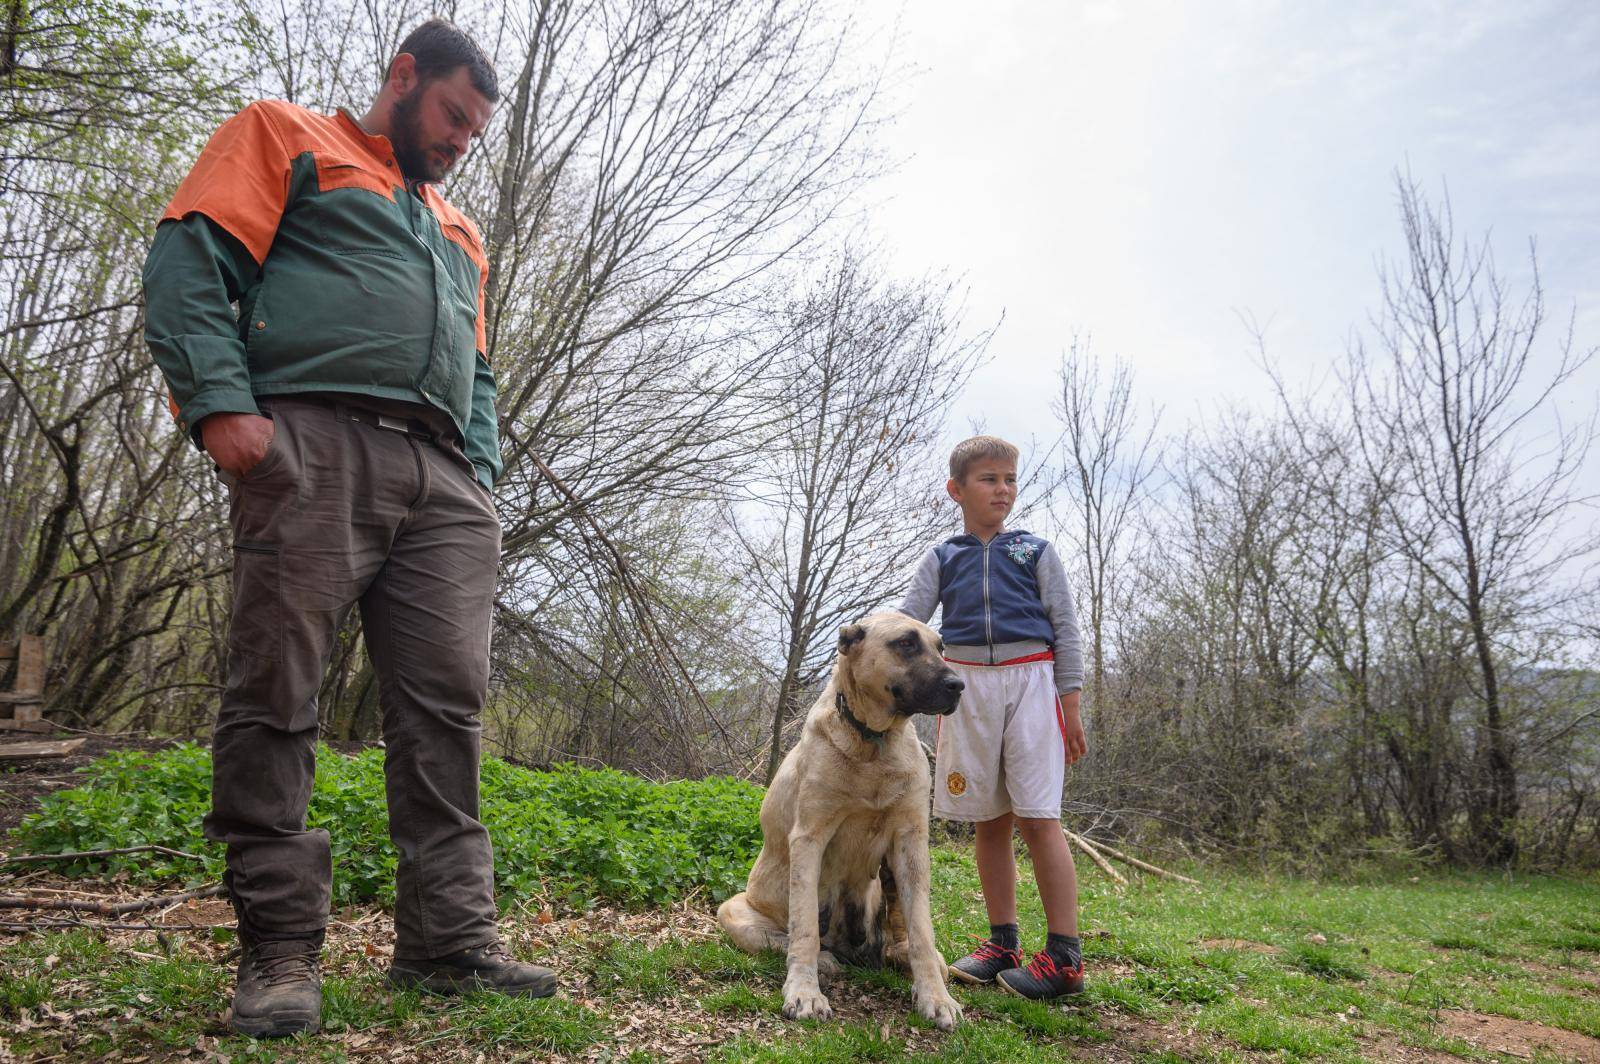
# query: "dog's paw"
828 966
939 1008
802 1003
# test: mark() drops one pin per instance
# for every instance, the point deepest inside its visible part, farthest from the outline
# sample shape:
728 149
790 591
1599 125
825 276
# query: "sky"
1152 174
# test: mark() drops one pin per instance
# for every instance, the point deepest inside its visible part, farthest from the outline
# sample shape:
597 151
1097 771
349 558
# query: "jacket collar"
968 539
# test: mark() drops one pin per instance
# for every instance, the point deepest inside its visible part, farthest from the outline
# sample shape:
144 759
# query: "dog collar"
876 738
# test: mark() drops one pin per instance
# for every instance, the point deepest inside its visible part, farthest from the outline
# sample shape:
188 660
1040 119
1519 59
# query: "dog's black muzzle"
938 694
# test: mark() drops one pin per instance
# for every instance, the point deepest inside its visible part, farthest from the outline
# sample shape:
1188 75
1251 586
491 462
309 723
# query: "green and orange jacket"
346 281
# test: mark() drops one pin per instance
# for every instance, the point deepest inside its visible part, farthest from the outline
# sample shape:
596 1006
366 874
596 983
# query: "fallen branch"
105 925
25 858
106 908
1094 855
1145 866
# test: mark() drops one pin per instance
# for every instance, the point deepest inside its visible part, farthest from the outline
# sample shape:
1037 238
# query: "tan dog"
851 801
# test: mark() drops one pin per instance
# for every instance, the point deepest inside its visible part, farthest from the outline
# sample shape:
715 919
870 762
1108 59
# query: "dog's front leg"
802 997
908 857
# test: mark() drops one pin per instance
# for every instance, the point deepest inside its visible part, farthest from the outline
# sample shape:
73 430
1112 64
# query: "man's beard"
415 158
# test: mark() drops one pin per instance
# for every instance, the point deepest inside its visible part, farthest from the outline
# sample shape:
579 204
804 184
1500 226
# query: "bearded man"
348 406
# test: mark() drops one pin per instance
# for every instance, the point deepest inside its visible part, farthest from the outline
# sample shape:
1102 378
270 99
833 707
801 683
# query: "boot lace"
278 964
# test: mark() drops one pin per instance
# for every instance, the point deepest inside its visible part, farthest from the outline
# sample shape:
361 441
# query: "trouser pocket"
257 624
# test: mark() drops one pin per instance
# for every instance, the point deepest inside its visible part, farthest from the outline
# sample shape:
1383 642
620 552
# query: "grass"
1243 966
1395 955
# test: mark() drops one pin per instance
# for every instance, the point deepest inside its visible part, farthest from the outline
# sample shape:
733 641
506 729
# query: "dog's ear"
850 637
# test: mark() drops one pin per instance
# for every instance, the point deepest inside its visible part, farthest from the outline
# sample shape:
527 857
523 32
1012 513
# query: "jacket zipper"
988 618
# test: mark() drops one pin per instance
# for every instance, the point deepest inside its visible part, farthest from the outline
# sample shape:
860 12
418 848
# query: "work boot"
279 991
490 967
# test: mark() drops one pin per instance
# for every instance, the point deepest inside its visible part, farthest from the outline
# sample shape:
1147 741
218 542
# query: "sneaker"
279 989
984 963
1042 979
490 967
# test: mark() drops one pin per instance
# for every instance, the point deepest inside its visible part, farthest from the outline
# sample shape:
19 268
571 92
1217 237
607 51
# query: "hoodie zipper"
988 617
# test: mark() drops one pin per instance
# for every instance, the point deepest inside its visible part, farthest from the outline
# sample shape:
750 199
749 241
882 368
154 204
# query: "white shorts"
1004 749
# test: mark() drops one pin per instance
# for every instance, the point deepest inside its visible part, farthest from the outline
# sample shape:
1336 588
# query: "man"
349 408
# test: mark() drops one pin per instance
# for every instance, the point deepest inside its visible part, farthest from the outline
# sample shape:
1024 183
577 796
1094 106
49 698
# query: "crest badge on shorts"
956 784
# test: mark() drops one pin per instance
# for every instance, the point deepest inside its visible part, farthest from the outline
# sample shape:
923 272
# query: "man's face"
435 123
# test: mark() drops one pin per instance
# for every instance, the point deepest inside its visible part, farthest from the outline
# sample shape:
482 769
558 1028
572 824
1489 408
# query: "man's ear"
850 637
403 72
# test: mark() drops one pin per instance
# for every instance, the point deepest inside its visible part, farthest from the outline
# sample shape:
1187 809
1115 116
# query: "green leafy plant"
577 834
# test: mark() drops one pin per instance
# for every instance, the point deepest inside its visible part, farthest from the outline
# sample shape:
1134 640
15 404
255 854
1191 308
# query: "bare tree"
1459 390
848 489
1108 464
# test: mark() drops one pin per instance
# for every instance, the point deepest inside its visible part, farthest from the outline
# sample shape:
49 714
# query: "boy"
1011 632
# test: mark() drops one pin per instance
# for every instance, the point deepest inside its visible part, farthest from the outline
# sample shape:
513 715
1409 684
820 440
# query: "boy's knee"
1000 825
1034 827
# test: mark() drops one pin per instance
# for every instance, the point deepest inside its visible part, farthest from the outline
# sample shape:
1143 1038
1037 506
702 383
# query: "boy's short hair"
976 449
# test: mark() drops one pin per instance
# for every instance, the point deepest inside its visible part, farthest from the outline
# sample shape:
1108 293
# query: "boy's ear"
850 637
952 488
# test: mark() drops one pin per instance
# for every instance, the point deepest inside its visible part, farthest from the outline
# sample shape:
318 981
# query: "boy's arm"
1063 614
922 597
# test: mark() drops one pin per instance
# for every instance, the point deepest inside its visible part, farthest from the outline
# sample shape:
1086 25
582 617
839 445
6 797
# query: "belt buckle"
397 424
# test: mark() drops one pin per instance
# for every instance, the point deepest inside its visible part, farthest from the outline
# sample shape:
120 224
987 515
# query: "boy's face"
987 493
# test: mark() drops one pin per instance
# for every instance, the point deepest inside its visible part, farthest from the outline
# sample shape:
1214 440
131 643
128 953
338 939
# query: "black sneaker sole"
1068 992
968 977
451 984
283 1025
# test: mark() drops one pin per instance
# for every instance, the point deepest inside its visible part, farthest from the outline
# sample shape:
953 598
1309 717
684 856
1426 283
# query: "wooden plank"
30 666
19 751
7 724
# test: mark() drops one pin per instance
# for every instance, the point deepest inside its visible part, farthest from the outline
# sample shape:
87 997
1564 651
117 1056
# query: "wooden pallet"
19 707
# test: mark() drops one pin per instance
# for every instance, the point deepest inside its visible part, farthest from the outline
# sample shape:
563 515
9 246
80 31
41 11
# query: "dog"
843 869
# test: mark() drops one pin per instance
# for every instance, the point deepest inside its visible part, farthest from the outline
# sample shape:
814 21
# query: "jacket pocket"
257 623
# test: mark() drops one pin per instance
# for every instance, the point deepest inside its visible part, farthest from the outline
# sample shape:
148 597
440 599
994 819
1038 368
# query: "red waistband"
1043 655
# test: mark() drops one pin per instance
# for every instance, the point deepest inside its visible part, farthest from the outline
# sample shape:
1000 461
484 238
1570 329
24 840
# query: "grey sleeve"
922 596
1058 604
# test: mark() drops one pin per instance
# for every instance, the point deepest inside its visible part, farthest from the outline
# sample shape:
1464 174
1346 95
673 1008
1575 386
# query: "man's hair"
976 449
439 48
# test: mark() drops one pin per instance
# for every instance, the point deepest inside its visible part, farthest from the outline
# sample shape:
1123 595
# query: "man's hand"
236 442
1072 720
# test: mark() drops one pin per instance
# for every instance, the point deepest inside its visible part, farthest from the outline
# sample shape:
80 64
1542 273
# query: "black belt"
409 425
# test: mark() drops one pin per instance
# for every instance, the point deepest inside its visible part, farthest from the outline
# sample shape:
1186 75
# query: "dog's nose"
955 684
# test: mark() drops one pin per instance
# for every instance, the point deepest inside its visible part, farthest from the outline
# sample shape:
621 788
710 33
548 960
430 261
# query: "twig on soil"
105 908
27 857
1145 866
1094 855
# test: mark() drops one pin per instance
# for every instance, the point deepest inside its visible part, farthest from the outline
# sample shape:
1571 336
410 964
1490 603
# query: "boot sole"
450 985
283 1026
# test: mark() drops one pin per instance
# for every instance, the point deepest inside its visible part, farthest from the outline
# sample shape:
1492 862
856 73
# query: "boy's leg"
1035 774
997 868
1056 874
969 785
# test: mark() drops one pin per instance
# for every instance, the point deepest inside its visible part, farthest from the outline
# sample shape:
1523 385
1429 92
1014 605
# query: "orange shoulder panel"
241 180
459 230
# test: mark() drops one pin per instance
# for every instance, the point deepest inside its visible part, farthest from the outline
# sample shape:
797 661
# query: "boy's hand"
1072 721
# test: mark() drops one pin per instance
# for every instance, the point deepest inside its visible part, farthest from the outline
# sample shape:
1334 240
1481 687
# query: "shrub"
582 835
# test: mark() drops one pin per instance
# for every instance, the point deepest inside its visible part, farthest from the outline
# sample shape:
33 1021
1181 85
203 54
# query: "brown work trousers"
337 513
